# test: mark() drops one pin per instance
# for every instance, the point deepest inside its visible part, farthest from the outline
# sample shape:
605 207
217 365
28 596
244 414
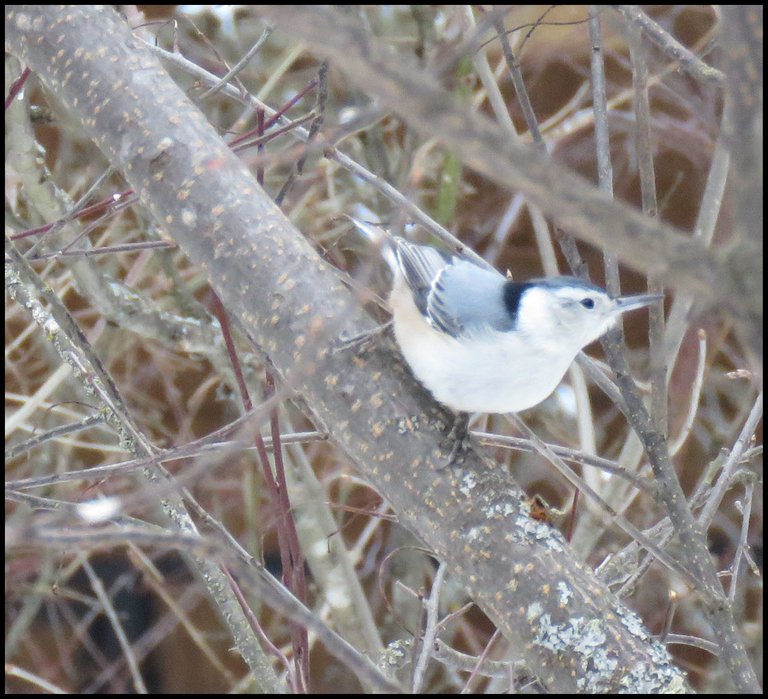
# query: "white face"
566 316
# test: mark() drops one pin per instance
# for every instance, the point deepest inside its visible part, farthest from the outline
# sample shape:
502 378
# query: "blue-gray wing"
456 296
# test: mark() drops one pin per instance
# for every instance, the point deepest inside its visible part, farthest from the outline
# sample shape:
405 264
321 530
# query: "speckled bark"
567 625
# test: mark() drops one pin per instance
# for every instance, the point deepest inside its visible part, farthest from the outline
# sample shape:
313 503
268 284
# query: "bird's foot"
361 342
459 440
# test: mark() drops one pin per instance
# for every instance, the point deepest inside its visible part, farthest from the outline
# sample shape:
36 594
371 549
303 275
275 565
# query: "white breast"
481 373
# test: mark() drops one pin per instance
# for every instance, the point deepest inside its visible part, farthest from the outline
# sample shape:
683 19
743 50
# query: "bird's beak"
629 303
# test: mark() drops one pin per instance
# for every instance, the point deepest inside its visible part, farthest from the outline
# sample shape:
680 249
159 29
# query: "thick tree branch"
566 623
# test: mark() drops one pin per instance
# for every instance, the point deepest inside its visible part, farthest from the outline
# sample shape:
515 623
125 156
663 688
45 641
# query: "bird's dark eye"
588 303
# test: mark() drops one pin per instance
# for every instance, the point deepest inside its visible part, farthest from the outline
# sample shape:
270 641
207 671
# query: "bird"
480 342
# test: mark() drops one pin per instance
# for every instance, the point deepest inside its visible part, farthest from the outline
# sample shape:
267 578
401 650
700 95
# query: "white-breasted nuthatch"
480 342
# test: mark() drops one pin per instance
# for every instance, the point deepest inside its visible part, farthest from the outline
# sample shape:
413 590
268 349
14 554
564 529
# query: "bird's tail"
378 237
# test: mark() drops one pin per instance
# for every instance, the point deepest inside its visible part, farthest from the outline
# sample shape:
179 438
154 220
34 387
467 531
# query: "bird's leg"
459 438
361 342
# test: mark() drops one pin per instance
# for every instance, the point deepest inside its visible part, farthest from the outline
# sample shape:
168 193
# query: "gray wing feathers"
420 266
456 296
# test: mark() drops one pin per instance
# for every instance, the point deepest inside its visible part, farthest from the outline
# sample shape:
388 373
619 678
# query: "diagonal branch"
567 624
